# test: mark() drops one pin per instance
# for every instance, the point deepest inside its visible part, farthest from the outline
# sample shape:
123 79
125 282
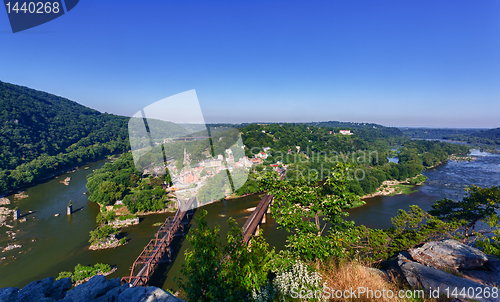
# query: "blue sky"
396 63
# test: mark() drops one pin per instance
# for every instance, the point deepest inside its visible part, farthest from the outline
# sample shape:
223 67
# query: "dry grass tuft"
355 275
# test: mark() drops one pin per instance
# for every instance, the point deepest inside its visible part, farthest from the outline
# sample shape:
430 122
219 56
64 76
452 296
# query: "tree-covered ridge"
41 134
284 137
311 152
471 136
488 137
368 131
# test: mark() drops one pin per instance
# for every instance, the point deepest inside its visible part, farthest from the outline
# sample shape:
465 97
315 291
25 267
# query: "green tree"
306 210
217 271
479 204
409 229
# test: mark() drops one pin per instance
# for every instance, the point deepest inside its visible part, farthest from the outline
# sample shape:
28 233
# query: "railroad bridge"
159 247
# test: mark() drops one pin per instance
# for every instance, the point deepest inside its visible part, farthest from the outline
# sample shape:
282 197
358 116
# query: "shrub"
63 275
101 233
299 277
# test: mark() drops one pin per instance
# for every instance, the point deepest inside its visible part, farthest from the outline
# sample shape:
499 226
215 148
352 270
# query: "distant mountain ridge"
491 133
472 136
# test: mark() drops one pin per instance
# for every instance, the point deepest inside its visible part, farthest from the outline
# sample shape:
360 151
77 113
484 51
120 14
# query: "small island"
124 194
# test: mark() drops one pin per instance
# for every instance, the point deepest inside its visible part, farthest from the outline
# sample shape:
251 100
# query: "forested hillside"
471 136
41 134
311 151
488 137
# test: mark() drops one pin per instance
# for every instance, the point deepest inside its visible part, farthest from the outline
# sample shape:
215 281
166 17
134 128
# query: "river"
53 244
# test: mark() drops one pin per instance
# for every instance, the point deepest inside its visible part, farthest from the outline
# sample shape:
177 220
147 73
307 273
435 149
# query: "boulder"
428 278
60 287
39 290
449 255
132 294
97 286
8 294
154 294
146 294
489 276
113 294
97 289
493 265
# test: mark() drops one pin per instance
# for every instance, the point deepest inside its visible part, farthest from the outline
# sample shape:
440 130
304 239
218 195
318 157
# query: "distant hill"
486 137
41 133
490 134
367 131
435 133
472 136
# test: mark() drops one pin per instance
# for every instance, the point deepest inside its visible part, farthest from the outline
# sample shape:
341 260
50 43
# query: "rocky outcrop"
452 269
4 201
97 289
111 242
124 223
431 279
20 195
11 247
449 255
4 213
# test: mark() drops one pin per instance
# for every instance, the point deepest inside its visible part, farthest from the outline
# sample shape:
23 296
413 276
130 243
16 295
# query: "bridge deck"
255 218
144 265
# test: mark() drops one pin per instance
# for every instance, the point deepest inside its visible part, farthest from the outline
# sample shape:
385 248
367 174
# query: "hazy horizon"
417 64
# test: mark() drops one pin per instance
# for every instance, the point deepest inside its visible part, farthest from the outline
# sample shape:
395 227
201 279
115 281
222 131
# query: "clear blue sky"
398 63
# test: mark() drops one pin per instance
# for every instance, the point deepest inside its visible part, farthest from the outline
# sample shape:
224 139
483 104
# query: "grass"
403 189
358 204
354 275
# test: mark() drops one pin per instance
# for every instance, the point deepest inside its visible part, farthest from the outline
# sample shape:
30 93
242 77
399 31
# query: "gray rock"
132 294
489 276
37 291
493 264
449 255
97 289
97 286
8 294
482 276
112 295
154 294
60 287
428 278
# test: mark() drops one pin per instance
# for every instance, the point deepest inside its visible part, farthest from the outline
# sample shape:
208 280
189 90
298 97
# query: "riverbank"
54 175
234 196
397 187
